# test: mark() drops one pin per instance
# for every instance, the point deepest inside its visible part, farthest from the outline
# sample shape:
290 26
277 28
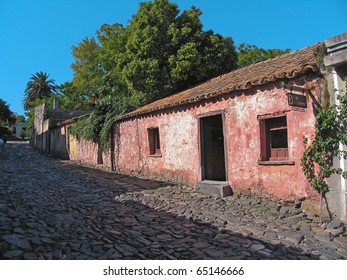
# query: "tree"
7 118
167 51
160 52
317 160
39 87
198 55
69 96
113 39
19 118
87 69
30 113
249 54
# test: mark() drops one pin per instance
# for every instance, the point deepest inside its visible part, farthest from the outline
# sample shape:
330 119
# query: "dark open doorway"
212 148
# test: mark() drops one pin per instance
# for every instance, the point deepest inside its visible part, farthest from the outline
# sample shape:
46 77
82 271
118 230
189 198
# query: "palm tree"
38 87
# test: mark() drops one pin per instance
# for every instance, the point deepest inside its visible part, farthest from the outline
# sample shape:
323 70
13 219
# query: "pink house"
242 131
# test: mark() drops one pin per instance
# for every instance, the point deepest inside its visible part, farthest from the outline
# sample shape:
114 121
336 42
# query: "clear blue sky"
37 35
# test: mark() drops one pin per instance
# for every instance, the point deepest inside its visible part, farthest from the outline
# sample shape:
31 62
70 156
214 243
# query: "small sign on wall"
297 100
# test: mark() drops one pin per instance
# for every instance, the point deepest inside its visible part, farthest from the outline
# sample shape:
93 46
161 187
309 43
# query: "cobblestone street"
54 209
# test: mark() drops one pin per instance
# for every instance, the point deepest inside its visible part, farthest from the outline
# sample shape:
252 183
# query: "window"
154 141
274 139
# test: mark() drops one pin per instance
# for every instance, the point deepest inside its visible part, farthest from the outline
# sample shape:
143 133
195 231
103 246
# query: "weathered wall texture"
58 142
38 128
336 59
180 158
87 151
48 134
74 147
178 139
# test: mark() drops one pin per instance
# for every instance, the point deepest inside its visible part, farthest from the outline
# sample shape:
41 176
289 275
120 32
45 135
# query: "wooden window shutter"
263 140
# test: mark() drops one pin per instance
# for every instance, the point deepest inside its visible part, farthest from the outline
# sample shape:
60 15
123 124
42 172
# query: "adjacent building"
48 136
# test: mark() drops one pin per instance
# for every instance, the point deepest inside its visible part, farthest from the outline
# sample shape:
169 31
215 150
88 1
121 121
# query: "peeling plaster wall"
179 140
243 132
58 143
74 147
176 130
87 152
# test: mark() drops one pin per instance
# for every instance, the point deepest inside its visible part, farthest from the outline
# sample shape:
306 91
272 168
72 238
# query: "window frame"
154 142
270 155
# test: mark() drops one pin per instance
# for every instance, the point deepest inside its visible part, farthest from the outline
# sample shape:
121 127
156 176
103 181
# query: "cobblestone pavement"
53 209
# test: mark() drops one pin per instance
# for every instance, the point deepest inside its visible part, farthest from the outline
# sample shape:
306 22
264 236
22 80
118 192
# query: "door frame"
201 143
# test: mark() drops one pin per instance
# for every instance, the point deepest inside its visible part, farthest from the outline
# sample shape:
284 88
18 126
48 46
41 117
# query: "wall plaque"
297 100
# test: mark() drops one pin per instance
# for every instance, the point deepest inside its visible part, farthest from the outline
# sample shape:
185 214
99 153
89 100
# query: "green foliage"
98 125
19 118
69 96
167 51
330 131
22 135
160 52
83 128
249 54
86 67
7 117
38 87
30 113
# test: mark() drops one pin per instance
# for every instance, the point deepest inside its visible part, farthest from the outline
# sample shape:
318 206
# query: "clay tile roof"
285 66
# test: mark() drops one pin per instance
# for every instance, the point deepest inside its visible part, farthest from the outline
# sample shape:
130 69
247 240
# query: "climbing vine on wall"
320 151
97 127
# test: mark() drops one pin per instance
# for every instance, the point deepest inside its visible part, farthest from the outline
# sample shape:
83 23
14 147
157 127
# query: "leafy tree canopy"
19 118
167 51
86 67
7 117
160 52
249 54
69 96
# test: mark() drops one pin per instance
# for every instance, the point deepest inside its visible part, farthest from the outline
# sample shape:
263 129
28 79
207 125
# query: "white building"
21 127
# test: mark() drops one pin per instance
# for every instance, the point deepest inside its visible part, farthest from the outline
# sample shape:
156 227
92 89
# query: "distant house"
21 129
46 135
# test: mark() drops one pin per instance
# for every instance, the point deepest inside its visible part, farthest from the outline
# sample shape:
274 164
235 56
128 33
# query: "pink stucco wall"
179 138
86 151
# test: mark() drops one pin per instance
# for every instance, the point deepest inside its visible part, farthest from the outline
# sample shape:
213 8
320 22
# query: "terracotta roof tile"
286 66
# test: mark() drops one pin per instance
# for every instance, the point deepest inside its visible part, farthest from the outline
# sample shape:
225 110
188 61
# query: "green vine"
317 160
321 52
97 127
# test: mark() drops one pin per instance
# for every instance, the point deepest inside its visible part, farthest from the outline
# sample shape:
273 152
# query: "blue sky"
37 35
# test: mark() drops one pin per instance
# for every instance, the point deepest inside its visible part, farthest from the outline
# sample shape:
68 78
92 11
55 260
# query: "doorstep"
214 188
